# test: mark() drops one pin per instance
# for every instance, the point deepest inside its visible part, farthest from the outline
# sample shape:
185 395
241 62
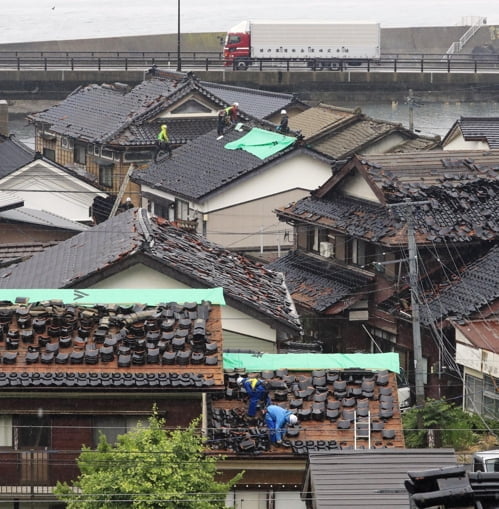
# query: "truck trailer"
321 44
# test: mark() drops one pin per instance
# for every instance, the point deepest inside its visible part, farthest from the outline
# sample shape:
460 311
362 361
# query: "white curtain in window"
5 430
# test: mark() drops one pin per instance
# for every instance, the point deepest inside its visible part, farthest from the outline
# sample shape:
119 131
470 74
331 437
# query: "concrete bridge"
332 86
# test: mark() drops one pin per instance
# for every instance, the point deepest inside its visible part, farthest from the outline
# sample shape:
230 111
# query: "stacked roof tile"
133 235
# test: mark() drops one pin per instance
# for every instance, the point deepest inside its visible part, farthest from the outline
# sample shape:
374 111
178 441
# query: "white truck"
321 44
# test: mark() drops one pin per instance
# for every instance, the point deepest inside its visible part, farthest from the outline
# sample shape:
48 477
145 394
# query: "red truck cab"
237 45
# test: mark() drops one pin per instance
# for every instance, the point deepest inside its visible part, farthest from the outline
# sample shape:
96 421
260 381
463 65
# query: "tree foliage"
148 468
449 425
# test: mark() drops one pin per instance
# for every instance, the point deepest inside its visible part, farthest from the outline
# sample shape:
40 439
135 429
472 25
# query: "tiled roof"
49 346
319 119
375 479
203 166
116 114
15 253
358 218
179 130
322 406
476 288
189 257
460 192
480 128
257 103
13 155
317 283
42 217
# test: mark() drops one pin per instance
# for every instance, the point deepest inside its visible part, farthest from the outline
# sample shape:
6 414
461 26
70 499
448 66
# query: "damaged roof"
319 284
482 334
324 401
52 346
135 236
476 287
117 114
459 192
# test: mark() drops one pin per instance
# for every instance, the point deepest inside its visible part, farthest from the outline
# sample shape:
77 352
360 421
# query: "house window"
181 209
32 431
140 155
80 153
66 143
359 252
107 153
49 153
5 431
473 390
315 236
111 426
106 175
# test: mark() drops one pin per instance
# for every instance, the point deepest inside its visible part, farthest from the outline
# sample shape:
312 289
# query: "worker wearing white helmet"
232 112
277 420
283 126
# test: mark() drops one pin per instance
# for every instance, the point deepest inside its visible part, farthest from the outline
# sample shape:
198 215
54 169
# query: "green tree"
148 468
438 424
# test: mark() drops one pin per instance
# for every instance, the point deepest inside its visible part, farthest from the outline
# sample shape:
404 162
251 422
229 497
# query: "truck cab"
237 46
486 461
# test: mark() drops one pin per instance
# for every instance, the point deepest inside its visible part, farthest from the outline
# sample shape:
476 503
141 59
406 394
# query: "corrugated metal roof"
42 217
373 479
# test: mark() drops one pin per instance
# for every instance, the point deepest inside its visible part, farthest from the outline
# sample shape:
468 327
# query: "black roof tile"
476 288
13 155
318 283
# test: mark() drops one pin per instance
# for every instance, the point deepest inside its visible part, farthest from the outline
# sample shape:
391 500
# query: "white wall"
459 143
303 172
44 187
355 185
260 499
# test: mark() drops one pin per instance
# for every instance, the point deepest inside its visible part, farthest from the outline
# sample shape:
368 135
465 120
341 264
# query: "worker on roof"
232 113
257 394
277 420
283 126
221 123
162 142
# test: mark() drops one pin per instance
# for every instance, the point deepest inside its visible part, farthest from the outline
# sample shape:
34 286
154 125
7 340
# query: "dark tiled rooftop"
476 288
461 194
117 114
318 283
323 400
13 155
169 346
202 167
188 257
15 253
480 128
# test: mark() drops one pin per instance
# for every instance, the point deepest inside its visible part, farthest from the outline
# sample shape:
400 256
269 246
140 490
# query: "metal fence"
60 60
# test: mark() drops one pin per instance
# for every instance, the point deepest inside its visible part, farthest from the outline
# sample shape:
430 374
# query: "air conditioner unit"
326 249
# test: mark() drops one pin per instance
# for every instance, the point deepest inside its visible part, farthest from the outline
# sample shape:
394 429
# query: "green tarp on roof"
310 361
261 143
117 296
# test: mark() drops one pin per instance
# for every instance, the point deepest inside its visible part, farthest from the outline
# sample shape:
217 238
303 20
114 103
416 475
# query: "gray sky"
37 20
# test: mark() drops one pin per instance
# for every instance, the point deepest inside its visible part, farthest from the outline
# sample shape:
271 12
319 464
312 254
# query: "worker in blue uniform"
257 394
277 420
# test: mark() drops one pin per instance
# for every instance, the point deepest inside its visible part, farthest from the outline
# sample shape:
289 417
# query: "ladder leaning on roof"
362 432
121 192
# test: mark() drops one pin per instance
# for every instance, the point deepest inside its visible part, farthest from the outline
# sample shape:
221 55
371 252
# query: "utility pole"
413 279
179 61
412 102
